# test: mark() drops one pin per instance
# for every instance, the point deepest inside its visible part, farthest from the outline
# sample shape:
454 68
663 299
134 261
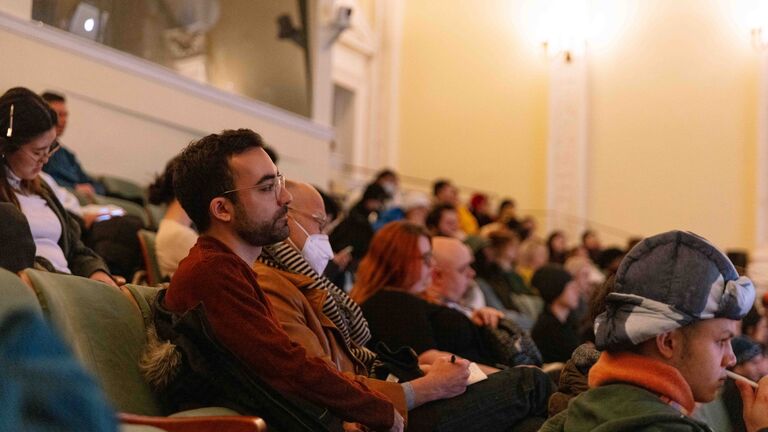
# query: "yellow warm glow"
750 14
563 27
750 18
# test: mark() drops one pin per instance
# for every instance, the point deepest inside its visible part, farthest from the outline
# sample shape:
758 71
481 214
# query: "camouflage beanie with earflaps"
669 281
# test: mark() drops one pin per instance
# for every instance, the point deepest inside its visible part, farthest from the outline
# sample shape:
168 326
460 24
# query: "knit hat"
18 251
745 349
477 200
669 281
550 280
414 199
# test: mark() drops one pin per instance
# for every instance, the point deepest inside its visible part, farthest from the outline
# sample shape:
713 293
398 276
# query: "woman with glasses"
27 140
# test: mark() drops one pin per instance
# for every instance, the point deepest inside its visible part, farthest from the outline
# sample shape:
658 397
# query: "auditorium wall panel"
128 116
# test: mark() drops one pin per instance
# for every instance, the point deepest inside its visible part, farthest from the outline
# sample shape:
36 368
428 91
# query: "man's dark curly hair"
202 171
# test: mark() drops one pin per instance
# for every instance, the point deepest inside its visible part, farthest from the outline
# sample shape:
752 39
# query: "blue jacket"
43 387
64 167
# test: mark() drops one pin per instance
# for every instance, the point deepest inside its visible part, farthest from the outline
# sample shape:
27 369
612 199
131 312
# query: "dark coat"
210 375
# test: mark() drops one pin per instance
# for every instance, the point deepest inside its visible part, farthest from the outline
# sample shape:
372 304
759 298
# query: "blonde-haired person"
533 255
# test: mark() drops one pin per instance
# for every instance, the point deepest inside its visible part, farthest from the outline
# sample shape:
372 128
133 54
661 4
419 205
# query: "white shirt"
44 224
172 244
67 199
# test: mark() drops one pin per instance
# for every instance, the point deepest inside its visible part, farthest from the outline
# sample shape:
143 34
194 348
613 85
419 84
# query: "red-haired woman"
390 280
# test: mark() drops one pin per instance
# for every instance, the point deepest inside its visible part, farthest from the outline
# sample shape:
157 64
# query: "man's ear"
221 209
669 343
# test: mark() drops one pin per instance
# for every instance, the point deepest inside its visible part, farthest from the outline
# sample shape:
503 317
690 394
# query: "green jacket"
621 407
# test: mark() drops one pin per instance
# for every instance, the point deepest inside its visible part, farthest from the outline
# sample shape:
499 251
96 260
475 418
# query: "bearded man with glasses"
234 352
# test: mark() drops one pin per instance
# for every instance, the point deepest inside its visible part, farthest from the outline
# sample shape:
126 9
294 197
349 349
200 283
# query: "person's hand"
354 427
89 218
443 380
755 404
343 258
104 278
86 189
487 316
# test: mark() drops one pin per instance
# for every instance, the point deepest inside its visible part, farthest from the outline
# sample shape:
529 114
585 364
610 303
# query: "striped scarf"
338 307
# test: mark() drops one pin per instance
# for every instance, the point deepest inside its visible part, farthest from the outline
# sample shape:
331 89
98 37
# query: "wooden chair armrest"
197 424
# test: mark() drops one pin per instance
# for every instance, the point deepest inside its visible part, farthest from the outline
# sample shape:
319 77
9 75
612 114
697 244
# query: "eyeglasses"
320 219
276 186
39 155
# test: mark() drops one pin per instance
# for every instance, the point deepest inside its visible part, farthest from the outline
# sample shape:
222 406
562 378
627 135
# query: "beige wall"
472 99
673 101
673 124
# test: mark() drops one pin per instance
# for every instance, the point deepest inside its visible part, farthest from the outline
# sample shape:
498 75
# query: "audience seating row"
151 273
106 330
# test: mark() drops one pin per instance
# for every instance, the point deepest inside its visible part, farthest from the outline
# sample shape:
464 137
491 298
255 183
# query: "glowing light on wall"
89 24
752 16
563 28
759 25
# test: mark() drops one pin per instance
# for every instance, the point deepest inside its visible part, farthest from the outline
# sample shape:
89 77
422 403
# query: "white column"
758 268
567 147
320 16
388 91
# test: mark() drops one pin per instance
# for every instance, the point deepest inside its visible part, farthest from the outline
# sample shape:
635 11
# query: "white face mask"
317 250
390 188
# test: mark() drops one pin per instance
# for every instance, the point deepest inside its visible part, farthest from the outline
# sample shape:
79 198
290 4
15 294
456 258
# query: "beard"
264 233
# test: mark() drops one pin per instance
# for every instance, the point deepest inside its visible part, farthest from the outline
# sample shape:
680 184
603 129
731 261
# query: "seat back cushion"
149 255
106 332
15 295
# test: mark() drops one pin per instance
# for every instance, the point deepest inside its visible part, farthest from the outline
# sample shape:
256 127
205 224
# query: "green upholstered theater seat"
149 256
120 187
105 331
15 294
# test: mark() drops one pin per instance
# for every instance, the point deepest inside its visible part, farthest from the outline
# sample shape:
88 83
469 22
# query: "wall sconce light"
760 38
566 51
753 15
563 29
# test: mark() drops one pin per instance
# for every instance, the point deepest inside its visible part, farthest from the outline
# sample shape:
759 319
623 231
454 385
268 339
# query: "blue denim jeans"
501 403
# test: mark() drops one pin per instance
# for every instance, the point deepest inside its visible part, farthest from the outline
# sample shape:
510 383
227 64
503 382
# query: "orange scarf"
650 374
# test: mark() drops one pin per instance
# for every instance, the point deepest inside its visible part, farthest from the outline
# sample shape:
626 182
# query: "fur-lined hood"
160 362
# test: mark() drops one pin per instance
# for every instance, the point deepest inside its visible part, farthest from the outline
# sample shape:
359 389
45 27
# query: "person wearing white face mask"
321 318
307 252
317 248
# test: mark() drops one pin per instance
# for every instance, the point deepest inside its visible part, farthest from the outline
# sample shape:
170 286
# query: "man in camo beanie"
672 309
669 281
